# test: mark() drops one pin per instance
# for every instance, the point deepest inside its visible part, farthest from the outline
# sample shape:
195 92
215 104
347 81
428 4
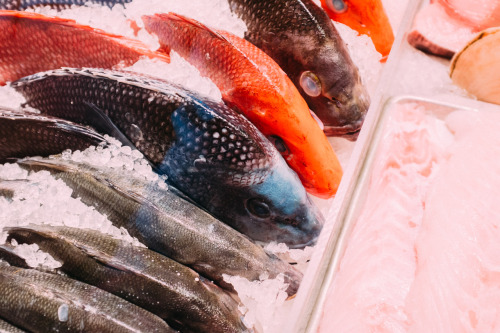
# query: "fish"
301 38
8 255
5 327
33 42
42 302
208 151
29 134
175 293
367 17
59 4
166 223
444 27
254 84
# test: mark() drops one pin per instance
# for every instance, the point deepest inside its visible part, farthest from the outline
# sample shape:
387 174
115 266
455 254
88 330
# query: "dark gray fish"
5 327
167 224
28 134
8 255
207 150
43 302
301 38
58 4
175 293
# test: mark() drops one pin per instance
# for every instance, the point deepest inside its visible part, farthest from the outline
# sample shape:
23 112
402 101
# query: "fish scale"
5 327
27 134
64 305
260 197
32 43
158 284
252 83
301 38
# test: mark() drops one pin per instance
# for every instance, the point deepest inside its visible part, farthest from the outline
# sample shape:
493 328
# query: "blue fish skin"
208 151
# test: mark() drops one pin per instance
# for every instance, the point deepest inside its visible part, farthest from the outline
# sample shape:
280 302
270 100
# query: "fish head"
332 87
366 17
275 208
226 165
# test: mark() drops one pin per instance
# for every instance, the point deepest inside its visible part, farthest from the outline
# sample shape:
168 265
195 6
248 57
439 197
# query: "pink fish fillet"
457 283
445 26
378 266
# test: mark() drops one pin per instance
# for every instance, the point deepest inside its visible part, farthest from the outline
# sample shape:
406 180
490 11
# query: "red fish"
253 83
32 43
367 17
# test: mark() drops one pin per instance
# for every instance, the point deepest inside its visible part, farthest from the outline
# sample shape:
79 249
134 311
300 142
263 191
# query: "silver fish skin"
8 255
43 302
208 151
5 327
168 224
175 293
25 134
301 38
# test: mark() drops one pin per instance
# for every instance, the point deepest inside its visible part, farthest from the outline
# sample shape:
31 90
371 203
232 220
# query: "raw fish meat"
445 26
423 253
368 293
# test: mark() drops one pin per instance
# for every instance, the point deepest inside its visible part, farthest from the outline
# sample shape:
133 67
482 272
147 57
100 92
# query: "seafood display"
207 150
132 203
366 17
165 222
300 37
444 27
256 86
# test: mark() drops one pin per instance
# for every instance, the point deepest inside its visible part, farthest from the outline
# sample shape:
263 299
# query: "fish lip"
350 133
312 242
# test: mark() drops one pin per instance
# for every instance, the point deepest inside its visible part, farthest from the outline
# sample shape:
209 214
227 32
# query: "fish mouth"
347 132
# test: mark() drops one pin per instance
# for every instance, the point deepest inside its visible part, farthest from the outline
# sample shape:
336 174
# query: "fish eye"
279 144
310 83
258 208
338 6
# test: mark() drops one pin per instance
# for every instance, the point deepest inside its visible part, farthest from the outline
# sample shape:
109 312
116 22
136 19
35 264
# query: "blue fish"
208 151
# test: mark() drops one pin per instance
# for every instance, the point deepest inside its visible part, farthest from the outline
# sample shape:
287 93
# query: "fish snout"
347 114
309 223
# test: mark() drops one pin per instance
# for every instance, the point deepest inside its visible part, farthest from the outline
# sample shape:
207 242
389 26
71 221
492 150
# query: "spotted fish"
210 152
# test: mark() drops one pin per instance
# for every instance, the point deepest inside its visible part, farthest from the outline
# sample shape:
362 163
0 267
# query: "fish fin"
177 17
136 45
39 164
104 124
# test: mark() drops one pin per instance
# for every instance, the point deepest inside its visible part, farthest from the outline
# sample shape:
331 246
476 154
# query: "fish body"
8 255
166 223
42 302
60 4
29 134
366 17
253 83
32 43
301 38
175 293
208 151
5 327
